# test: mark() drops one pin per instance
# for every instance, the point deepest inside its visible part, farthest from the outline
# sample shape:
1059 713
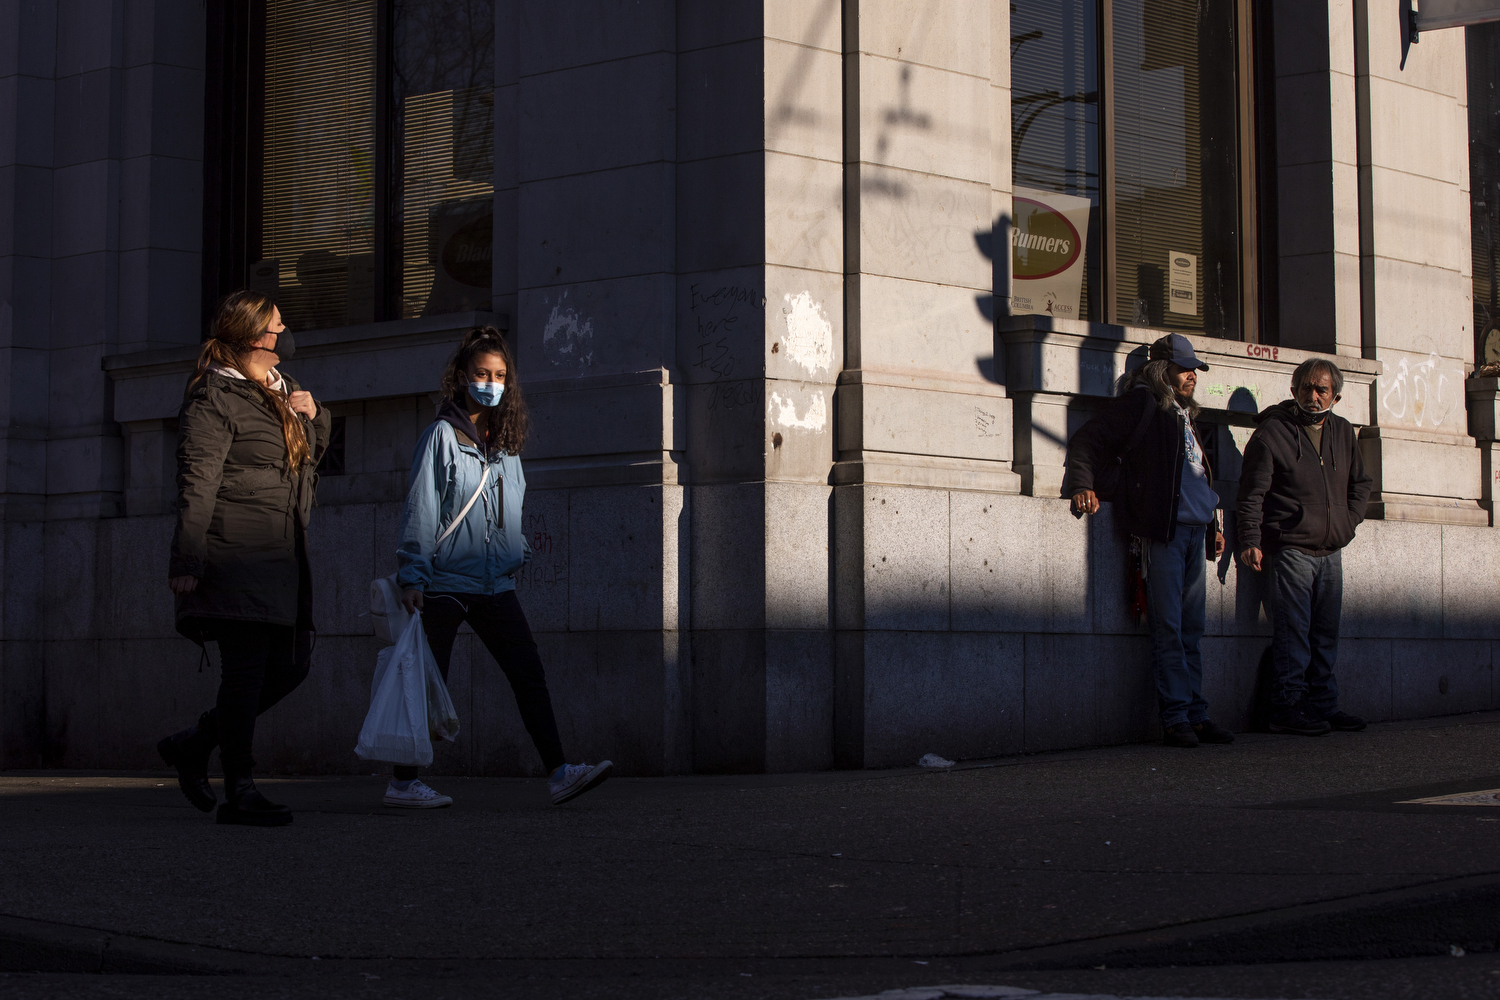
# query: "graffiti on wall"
1425 394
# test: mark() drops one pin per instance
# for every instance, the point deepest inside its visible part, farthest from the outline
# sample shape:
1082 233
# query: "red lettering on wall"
1262 351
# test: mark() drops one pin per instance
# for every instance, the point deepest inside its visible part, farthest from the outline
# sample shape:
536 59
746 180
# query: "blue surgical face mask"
487 393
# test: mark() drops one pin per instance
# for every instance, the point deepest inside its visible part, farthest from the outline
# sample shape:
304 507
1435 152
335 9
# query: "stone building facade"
794 479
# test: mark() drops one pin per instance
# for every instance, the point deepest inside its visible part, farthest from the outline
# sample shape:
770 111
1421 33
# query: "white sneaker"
416 796
572 780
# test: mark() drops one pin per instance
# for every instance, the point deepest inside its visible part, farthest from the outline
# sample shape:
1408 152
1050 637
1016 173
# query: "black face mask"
285 345
1307 417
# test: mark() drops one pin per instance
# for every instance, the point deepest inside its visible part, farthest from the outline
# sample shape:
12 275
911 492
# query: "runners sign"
1047 244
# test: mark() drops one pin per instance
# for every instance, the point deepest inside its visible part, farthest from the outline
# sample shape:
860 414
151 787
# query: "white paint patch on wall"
1423 394
784 412
809 334
568 338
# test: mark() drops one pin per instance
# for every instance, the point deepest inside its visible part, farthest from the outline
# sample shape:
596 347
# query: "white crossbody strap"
483 478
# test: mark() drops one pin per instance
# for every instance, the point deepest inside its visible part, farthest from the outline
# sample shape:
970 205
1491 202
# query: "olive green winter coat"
240 513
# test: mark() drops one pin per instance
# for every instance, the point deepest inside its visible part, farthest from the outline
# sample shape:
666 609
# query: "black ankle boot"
247 806
188 752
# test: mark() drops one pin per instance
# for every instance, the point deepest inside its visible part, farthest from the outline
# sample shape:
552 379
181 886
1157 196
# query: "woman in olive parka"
248 441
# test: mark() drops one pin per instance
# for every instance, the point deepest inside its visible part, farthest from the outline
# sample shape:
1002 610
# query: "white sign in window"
1182 283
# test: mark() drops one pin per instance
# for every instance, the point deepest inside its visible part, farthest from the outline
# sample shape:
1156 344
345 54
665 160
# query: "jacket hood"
456 415
1284 410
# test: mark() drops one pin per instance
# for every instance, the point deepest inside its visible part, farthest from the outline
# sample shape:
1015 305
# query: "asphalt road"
1277 867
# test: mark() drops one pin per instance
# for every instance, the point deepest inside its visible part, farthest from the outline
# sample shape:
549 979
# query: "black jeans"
258 666
501 625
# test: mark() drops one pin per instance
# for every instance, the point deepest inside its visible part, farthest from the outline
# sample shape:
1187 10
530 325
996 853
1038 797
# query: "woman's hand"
302 402
182 584
411 600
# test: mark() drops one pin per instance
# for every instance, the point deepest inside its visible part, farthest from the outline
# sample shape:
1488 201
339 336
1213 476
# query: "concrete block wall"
100 182
794 503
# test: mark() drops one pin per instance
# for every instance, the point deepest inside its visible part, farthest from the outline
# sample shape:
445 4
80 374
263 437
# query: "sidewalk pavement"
1279 866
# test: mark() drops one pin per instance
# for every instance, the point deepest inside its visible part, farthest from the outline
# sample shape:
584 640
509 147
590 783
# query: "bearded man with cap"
1149 433
1303 491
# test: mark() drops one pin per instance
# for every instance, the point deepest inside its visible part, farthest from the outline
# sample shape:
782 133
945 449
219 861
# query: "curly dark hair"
504 426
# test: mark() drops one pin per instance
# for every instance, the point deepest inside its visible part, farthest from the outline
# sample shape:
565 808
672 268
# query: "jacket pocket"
1340 527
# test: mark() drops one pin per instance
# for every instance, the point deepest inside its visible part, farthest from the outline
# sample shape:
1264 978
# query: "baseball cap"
1176 348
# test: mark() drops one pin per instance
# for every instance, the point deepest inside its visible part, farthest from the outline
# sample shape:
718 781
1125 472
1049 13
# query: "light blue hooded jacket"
483 553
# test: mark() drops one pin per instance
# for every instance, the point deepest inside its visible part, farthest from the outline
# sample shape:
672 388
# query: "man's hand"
1251 557
1085 502
302 402
411 600
182 584
1218 544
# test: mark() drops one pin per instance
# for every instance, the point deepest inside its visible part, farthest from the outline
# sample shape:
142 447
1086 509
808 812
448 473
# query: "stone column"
920 411
27 64
1318 221
1414 267
759 344
586 256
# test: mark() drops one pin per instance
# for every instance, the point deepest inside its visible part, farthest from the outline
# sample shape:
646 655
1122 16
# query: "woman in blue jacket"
470 577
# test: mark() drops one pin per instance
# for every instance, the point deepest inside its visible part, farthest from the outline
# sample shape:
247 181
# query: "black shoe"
247 807
1344 722
188 752
1297 723
1210 731
1180 735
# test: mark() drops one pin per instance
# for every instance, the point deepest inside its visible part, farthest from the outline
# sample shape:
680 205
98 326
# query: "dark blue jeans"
1307 594
1176 585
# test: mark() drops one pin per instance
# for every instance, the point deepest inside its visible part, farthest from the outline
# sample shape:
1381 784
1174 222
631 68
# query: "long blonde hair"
239 321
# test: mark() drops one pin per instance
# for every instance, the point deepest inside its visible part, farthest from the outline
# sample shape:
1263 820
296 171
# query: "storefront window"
1484 186
1152 91
363 190
1055 158
444 138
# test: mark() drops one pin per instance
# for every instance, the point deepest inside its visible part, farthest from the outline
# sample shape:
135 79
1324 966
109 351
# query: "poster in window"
1047 253
1182 283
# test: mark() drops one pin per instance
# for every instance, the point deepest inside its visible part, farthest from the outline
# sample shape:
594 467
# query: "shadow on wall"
997 304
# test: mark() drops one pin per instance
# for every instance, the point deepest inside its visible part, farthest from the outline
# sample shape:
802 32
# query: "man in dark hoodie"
1148 437
1303 491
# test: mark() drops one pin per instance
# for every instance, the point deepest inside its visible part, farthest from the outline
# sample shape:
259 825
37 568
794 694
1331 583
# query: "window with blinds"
354 146
444 107
1055 117
318 183
1176 165
1483 43
1126 132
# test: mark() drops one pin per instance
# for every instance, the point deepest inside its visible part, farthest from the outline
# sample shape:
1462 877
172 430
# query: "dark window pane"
333 461
318 180
1054 145
444 157
1176 165
1484 185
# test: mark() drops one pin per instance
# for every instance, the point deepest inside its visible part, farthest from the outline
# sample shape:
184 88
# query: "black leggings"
501 625
258 667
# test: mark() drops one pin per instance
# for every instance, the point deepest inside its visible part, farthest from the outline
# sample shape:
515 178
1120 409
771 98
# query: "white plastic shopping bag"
399 726
442 719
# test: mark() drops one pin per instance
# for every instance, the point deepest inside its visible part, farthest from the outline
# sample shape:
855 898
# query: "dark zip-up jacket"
1294 496
240 510
1151 479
